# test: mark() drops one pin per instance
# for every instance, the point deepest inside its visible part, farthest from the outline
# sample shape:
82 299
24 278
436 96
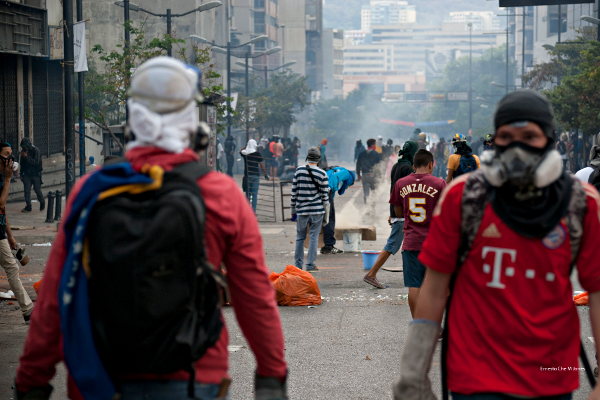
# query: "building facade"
333 63
31 75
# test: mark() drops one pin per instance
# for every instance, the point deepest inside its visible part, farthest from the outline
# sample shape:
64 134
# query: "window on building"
396 87
259 3
259 22
554 21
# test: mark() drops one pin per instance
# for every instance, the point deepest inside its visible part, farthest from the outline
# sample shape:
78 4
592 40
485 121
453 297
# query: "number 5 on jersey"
418 214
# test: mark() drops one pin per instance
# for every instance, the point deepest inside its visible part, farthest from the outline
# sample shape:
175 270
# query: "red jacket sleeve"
252 294
440 249
588 260
43 346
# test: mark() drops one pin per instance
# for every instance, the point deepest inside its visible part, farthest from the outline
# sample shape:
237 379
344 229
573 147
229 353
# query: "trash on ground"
581 298
36 286
295 287
7 295
42 244
234 347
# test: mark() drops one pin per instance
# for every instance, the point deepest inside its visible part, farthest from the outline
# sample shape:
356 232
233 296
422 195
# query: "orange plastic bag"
295 287
36 286
581 299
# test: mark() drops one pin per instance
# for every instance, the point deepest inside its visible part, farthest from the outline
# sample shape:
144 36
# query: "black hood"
26 143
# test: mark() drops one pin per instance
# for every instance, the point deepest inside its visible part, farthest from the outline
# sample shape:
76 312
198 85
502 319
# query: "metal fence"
48 107
266 209
9 125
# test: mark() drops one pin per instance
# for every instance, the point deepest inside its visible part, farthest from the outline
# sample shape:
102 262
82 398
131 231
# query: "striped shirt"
307 198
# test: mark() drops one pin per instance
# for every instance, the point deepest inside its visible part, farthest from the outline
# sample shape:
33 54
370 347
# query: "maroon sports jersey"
418 195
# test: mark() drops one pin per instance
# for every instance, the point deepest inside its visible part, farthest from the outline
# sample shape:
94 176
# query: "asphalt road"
347 348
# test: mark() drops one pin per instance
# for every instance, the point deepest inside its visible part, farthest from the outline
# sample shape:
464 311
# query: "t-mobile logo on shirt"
497 270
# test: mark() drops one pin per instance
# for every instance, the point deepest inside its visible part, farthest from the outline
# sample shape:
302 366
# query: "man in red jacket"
508 236
164 118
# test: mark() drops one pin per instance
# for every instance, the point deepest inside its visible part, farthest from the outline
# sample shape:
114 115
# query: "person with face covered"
163 115
31 173
516 227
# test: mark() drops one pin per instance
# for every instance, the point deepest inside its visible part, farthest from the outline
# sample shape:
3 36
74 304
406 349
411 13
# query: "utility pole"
470 25
68 68
507 46
523 47
127 40
559 22
247 97
227 18
169 49
81 87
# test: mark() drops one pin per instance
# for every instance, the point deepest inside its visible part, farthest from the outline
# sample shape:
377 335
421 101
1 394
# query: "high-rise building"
333 63
302 22
481 20
31 74
387 12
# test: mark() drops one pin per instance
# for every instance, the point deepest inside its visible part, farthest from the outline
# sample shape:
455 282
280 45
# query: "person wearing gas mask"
515 227
163 116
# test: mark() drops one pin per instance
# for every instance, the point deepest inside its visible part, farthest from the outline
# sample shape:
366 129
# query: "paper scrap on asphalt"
234 347
42 244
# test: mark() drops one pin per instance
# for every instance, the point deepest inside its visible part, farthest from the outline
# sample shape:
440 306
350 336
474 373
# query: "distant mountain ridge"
345 14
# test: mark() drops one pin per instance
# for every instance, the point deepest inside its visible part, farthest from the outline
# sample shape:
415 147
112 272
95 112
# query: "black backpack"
154 299
466 164
594 178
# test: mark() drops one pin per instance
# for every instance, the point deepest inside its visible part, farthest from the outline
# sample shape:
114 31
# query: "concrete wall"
292 15
573 23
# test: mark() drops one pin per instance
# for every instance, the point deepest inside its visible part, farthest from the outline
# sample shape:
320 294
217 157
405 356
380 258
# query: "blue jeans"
253 182
499 396
167 390
301 227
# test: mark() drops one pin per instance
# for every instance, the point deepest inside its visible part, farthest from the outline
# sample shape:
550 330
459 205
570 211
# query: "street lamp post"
595 21
168 15
470 25
228 47
246 55
266 71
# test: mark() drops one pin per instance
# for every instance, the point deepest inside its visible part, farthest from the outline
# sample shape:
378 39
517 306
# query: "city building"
333 63
31 75
482 20
303 39
387 12
532 29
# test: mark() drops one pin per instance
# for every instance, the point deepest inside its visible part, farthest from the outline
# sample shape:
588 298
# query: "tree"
110 74
572 82
272 110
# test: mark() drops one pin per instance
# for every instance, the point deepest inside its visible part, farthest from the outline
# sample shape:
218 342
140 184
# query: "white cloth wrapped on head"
171 132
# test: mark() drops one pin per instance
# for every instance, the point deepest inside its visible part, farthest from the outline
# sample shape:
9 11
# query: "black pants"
329 229
229 164
36 182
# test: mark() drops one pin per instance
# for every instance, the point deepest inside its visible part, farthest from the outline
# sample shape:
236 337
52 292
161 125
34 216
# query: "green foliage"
272 110
572 80
110 74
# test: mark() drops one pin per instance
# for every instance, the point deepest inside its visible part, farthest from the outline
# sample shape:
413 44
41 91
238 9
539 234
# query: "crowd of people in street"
482 234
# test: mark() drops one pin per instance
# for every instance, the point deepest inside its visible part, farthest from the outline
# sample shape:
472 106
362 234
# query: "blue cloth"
413 270
80 353
340 179
168 390
396 237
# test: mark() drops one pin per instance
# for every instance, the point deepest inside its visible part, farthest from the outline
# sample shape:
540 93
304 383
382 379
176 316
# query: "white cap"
164 85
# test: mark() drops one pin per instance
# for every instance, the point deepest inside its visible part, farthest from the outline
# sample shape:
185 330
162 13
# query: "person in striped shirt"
310 206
